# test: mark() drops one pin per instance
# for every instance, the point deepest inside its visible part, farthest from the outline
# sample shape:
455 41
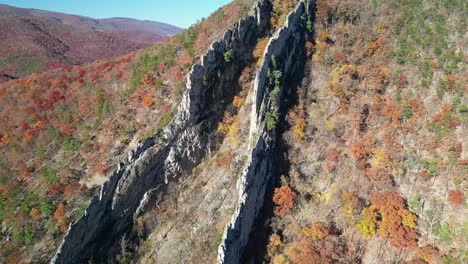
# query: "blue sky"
182 13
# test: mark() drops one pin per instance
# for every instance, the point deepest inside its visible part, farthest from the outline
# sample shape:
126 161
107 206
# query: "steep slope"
187 141
377 139
275 86
309 132
64 130
183 144
36 40
374 160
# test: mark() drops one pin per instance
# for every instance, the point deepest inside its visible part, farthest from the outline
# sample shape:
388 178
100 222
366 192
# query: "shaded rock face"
285 53
185 142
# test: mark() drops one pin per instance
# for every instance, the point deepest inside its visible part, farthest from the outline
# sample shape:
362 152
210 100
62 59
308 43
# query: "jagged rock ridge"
286 53
185 142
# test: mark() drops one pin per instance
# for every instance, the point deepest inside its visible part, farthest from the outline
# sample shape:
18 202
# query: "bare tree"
124 256
432 215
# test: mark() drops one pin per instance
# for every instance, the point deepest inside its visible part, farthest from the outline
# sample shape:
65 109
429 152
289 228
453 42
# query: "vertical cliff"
282 67
189 137
184 143
335 159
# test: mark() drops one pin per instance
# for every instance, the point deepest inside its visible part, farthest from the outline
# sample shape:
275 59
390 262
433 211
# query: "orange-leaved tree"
297 119
317 231
388 214
283 198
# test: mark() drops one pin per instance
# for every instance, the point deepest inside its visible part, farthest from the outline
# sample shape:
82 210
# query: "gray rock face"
285 52
188 138
185 142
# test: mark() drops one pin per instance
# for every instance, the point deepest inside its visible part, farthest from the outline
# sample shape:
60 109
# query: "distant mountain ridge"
121 23
34 40
109 24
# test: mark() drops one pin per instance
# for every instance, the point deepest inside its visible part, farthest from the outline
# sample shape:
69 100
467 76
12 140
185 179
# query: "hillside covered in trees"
63 131
377 139
34 40
287 131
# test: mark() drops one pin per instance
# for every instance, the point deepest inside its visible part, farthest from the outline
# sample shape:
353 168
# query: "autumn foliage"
350 204
273 245
384 114
283 198
280 10
259 50
455 197
317 231
388 217
147 100
59 213
329 249
357 150
331 158
229 126
297 119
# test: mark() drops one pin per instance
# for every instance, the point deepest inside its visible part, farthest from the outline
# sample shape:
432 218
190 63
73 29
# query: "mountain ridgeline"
37 40
185 142
273 131
285 59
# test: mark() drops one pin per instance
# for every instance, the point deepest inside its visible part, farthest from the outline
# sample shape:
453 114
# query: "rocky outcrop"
188 138
284 59
185 142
